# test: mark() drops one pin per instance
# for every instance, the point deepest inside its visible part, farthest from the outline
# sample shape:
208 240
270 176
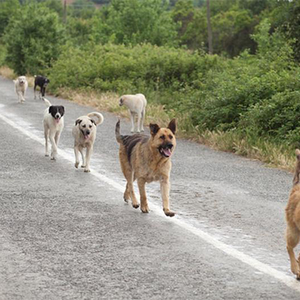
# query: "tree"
33 38
209 30
137 21
7 9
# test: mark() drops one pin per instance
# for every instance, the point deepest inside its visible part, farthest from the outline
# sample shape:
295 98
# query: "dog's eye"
90 126
162 137
83 126
170 136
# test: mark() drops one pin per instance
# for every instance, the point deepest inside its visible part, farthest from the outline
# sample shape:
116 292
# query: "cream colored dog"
136 105
84 133
21 86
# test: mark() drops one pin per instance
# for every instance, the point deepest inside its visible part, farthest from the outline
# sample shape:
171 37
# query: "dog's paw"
83 166
53 158
145 209
135 205
169 213
46 154
76 165
87 170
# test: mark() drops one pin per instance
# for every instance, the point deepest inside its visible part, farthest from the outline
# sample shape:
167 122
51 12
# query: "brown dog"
147 159
292 213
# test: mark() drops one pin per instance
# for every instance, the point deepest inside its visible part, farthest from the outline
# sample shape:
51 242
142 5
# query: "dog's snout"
169 145
87 131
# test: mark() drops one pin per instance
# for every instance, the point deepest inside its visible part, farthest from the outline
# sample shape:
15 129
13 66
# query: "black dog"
42 82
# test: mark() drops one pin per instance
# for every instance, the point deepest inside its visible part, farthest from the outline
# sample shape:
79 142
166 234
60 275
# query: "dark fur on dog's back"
130 141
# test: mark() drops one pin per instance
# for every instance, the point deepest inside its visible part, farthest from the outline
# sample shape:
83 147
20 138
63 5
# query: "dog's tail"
297 170
99 117
117 132
47 102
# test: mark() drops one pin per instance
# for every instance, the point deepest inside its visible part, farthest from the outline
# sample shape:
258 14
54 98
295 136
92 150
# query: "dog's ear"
78 121
62 110
154 129
50 109
173 125
93 122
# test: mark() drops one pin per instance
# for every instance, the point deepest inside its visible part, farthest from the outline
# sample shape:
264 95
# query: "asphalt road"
66 234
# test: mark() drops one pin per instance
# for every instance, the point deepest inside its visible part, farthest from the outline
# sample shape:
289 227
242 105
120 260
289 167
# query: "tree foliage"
33 38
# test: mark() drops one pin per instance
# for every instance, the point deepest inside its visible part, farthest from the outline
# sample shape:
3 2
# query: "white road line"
290 281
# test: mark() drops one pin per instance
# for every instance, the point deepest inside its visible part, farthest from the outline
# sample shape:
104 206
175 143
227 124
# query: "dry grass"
110 102
9 73
273 155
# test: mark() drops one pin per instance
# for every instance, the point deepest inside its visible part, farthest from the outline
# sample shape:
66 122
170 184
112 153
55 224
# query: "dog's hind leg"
129 192
135 203
126 195
292 239
139 122
165 191
142 121
144 203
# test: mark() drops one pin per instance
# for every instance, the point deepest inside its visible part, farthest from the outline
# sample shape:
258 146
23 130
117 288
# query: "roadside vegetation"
245 98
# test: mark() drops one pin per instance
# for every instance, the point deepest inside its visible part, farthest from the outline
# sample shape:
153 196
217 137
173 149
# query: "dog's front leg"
19 96
46 133
132 121
23 94
89 151
82 157
53 146
165 191
76 151
144 202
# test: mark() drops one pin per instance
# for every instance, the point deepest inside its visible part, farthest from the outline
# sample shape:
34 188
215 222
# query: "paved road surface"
66 234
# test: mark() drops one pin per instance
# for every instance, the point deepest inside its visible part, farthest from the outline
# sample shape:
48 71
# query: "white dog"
84 133
136 105
53 126
21 86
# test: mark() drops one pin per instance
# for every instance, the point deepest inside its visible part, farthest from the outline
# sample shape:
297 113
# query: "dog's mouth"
86 135
166 150
57 119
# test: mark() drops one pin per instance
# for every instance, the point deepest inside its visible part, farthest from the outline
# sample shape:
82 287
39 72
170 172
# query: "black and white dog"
42 82
53 126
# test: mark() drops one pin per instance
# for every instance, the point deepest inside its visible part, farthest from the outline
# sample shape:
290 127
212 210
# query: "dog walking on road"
147 159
